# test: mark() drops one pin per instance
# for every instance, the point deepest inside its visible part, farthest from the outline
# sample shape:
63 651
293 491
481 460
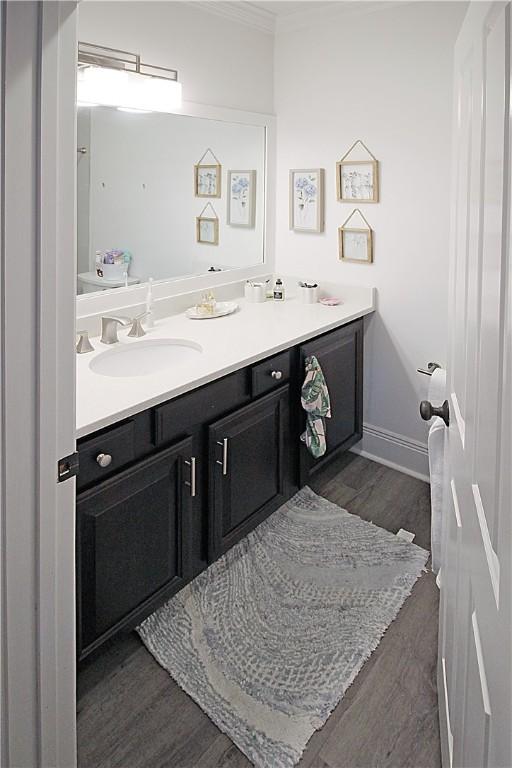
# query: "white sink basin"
143 358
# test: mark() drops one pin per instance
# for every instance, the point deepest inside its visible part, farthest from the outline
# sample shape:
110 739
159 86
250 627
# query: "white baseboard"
393 450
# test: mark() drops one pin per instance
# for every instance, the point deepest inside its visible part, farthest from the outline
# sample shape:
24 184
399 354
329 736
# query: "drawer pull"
276 375
224 462
104 459
192 482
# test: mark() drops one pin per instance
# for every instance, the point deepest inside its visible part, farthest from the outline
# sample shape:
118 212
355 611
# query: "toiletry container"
278 290
255 292
307 294
114 271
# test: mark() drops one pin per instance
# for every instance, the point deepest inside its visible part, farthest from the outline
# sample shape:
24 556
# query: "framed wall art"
207 227
208 177
307 200
355 239
241 198
357 180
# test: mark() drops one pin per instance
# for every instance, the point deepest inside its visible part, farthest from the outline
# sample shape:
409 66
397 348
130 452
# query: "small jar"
308 295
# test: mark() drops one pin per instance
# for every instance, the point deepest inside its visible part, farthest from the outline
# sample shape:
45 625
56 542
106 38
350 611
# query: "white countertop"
229 343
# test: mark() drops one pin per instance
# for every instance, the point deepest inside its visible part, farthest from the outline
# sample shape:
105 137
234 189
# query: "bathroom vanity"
168 485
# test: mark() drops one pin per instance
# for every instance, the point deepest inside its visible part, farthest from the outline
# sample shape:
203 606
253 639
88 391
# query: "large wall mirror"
145 210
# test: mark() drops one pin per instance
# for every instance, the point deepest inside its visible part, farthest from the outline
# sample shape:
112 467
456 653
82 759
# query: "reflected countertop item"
229 343
91 278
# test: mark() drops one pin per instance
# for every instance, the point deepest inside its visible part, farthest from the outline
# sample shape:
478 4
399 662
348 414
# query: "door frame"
37 364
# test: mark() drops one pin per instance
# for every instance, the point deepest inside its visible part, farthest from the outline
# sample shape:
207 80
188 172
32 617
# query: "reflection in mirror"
141 212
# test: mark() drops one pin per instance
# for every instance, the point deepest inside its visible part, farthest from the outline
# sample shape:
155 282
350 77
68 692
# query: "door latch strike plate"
67 467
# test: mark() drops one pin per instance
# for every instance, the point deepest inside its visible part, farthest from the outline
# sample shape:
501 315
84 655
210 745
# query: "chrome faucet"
137 330
109 327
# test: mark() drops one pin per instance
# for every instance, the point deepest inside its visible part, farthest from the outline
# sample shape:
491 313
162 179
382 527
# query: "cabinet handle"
104 459
192 482
276 375
224 462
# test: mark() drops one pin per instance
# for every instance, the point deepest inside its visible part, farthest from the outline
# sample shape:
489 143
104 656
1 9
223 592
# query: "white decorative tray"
222 308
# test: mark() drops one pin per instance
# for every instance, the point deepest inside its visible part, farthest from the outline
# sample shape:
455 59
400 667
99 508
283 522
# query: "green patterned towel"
315 401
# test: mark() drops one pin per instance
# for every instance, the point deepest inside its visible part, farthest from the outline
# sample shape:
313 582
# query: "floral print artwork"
357 181
208 180
241 191
306 200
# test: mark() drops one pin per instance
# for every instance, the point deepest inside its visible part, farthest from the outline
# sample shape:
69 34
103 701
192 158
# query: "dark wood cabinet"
133 534
144 529
340 354
248 466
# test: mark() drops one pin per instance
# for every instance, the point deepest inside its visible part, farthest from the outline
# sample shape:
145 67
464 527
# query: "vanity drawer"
180 417
265 375
118 443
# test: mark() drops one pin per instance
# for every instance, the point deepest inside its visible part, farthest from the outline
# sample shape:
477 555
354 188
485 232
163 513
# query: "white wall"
219 62
83 172
141 195
385 77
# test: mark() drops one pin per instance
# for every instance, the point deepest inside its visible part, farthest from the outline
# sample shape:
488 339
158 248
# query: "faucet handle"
83 344
137 330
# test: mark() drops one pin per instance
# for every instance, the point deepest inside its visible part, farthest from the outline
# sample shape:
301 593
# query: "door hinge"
67 467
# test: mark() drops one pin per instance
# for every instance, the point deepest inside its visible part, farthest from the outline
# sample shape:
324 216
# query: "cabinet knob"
276 375
104 459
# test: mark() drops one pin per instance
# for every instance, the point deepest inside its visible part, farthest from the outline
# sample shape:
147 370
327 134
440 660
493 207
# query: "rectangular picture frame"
241 199
208 180
353 242
207 230
307 200
357 181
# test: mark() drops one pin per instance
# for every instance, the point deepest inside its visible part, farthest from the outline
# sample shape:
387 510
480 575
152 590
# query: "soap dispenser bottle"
278 290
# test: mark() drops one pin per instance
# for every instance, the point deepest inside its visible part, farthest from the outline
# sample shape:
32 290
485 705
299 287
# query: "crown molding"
240 12
332 10
244 12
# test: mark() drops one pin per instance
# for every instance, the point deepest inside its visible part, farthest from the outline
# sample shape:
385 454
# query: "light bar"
124 82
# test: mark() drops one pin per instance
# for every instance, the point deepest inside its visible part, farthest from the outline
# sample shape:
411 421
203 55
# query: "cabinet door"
340 354
248 468
133 534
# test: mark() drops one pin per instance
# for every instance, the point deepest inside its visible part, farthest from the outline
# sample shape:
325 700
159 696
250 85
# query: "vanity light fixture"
109 77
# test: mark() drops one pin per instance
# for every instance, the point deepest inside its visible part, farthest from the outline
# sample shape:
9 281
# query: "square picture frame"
207 230
306 190
241 209
357 181
208 180
355 244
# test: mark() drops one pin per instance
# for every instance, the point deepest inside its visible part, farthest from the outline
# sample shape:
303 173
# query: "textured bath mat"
268 639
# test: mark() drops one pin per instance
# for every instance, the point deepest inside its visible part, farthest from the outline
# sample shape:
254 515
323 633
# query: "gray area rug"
268 638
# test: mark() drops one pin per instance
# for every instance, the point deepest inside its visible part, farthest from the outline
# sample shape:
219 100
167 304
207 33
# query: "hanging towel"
315 401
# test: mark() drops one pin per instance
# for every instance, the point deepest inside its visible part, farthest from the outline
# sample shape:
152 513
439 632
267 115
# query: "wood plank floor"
132 715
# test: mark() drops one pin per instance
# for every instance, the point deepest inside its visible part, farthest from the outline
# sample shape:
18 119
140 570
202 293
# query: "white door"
37 403
475 640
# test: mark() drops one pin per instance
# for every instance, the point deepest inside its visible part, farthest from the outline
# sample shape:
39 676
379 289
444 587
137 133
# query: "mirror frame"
115 298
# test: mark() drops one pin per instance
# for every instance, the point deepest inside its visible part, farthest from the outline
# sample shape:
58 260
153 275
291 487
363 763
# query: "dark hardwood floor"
132 715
